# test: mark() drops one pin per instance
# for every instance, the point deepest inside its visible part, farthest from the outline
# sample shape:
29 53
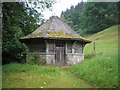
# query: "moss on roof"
49 35
82 37
59 35
54 35
35 35
54 28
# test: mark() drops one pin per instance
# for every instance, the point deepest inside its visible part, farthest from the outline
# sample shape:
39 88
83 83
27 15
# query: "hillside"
100 67
105 40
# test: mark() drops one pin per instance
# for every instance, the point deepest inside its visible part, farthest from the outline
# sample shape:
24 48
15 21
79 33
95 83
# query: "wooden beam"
66 48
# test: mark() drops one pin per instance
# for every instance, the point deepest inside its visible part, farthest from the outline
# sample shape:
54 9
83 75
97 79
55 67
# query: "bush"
89 56
42 60
34 58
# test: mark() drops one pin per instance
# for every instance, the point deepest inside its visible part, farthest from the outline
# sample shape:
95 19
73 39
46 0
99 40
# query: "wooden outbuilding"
56 42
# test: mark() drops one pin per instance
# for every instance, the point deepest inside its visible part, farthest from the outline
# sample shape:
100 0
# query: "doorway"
60 54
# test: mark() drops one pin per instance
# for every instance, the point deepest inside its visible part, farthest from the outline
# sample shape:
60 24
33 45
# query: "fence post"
94 46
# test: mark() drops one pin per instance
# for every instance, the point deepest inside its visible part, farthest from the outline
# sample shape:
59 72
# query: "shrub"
42 60
34 58
89 56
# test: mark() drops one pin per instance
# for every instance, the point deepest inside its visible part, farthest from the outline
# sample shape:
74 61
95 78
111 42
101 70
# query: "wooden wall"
73 50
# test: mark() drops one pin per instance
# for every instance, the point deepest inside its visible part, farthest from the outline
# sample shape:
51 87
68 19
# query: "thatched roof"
54 28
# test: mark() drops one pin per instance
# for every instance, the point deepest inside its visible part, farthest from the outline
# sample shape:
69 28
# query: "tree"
91 17
19 19
72 15
98 15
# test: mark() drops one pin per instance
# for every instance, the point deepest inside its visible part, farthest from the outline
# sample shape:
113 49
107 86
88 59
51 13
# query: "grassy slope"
100 68
31 76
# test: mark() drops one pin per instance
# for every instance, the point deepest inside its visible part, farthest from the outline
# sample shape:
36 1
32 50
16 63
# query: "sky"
59 6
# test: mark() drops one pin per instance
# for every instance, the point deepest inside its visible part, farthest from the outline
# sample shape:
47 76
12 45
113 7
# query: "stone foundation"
74 58
70 59
41 57
50 59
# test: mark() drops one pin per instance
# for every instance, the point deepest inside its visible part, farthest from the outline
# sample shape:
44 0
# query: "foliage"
100 69
41 5
12 49
34 57
91 17
42 59
19 19
71 16
91 55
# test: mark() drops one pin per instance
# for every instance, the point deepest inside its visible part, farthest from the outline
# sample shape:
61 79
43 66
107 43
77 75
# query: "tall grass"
34 76
18 68
100 67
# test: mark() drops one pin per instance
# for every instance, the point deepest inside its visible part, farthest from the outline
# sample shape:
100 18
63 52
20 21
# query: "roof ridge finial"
54 14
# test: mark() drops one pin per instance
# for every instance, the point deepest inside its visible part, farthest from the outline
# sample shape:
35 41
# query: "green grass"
33 76
100 67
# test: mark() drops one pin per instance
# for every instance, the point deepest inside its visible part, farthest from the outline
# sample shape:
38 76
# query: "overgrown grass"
33 76
100 67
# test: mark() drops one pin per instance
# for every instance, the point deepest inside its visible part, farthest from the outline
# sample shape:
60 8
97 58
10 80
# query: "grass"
100 67
33 76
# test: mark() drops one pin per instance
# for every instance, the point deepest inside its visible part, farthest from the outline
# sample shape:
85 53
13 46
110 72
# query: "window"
59 45
50 47
77 47
40 47
69 47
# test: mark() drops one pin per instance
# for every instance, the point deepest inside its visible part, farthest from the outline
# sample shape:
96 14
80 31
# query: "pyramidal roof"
54 28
